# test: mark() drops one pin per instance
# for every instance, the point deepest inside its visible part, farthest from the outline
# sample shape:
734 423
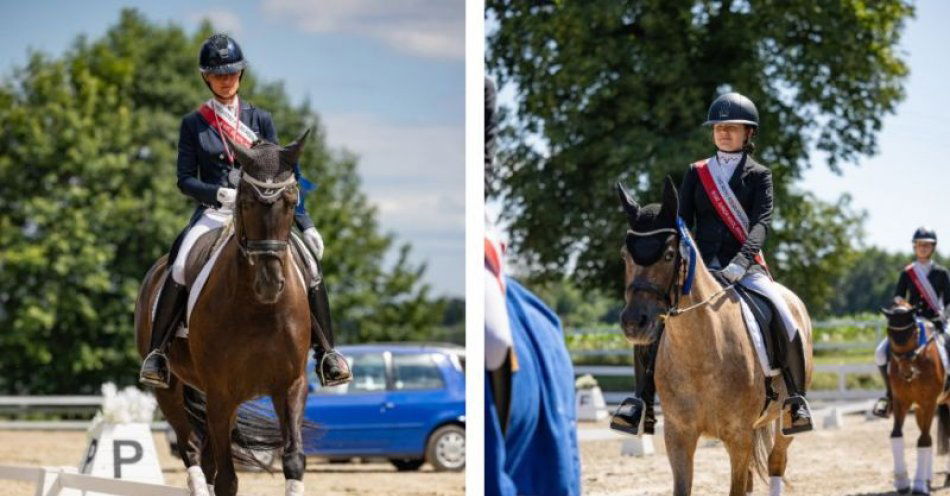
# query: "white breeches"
880 353
210 219
761 283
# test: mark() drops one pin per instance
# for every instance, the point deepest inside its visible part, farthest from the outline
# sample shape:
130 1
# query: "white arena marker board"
122 451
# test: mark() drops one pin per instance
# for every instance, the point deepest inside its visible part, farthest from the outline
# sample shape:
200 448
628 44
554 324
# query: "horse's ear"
291 152
629 206
244 156
671 203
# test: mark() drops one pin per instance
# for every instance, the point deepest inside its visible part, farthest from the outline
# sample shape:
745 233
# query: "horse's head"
264 211
650 253
902 333
901 323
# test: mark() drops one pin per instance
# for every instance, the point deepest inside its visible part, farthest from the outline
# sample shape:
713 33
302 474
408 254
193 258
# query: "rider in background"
204 163
926 286
733 249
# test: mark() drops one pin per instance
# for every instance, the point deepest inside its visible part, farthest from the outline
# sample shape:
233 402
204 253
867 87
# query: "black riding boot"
794 375
883 406
168 312
331 367
635 415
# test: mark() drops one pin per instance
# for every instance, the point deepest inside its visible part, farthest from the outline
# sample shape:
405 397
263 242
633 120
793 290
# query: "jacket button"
220 156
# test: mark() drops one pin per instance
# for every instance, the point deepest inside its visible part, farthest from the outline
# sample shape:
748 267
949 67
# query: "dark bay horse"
916 376
249 334
707 374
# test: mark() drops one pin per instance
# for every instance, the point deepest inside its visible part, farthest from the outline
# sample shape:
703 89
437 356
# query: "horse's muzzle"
640 324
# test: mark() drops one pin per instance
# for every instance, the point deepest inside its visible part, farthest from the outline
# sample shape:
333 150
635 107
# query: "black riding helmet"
220 54
734 108
925 234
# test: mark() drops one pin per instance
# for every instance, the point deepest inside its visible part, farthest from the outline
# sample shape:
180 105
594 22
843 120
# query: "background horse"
707 373
249 334
916 376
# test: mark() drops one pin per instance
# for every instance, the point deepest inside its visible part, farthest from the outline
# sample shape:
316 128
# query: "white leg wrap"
775 486
294 488
197 485
924 459
211 489
901 480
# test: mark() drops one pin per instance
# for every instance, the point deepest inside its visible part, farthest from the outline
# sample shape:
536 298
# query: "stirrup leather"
324 381
160 382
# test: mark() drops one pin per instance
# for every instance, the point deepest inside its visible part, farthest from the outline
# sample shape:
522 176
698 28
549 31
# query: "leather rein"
266 192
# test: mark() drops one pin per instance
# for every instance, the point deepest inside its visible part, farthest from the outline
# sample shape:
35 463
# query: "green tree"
88 202
610 90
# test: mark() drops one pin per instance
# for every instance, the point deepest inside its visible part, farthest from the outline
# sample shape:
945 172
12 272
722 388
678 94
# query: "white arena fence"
840 393
56 481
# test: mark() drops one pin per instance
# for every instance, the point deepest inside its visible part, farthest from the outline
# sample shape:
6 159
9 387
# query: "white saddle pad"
758 341
202 279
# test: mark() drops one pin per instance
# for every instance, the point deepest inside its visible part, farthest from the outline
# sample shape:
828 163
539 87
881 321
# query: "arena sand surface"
854 461
35 448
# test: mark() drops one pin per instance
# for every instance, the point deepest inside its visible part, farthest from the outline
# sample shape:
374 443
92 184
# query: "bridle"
911 355
672 293
266 192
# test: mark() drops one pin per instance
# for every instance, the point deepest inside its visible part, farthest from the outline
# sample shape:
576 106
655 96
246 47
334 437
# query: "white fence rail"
841 393
52 481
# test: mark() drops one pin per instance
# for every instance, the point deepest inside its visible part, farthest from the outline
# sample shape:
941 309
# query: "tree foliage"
88 202
610 90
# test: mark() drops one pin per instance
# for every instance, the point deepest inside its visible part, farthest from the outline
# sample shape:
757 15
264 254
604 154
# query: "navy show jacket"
203 164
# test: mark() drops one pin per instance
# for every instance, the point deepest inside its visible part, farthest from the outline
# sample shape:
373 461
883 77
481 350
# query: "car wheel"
446 449
407 464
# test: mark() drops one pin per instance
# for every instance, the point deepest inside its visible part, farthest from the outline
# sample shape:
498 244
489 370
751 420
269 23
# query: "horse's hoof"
904 490
946 481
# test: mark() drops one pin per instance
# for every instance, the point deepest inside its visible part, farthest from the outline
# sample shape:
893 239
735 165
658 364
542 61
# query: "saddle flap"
200 253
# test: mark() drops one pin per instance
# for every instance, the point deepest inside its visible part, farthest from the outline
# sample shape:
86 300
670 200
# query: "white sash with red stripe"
494 258
725 202
918 275
227 124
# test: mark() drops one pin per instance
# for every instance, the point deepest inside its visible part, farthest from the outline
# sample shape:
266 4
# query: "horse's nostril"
643 320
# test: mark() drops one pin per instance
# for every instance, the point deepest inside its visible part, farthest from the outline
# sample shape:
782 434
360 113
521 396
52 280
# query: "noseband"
266 192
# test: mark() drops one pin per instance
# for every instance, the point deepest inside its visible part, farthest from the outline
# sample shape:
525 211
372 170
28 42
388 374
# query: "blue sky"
387 79
906 184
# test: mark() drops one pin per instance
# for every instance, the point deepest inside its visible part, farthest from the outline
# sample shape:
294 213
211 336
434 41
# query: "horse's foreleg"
171 401
680 449
220 423
290 407
740 457
901 480
778 460
924 472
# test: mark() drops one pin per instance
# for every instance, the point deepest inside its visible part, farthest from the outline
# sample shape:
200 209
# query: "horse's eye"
669 256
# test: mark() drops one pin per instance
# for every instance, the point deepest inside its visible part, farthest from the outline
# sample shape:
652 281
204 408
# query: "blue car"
406 402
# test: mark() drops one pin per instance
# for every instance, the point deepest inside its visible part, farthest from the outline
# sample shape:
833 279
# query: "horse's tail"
255 428
761 447
943 429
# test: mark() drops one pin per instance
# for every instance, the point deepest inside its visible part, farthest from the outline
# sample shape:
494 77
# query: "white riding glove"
314 241
733 272
226 197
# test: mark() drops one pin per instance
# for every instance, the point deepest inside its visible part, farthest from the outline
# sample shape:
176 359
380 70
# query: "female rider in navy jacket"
204 162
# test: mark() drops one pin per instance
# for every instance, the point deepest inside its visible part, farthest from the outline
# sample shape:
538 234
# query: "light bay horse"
707 374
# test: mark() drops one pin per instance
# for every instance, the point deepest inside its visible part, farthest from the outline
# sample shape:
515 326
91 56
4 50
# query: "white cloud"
428 28
415 175
222 20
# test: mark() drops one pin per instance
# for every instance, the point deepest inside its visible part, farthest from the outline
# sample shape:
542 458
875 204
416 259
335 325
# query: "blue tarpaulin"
539 454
